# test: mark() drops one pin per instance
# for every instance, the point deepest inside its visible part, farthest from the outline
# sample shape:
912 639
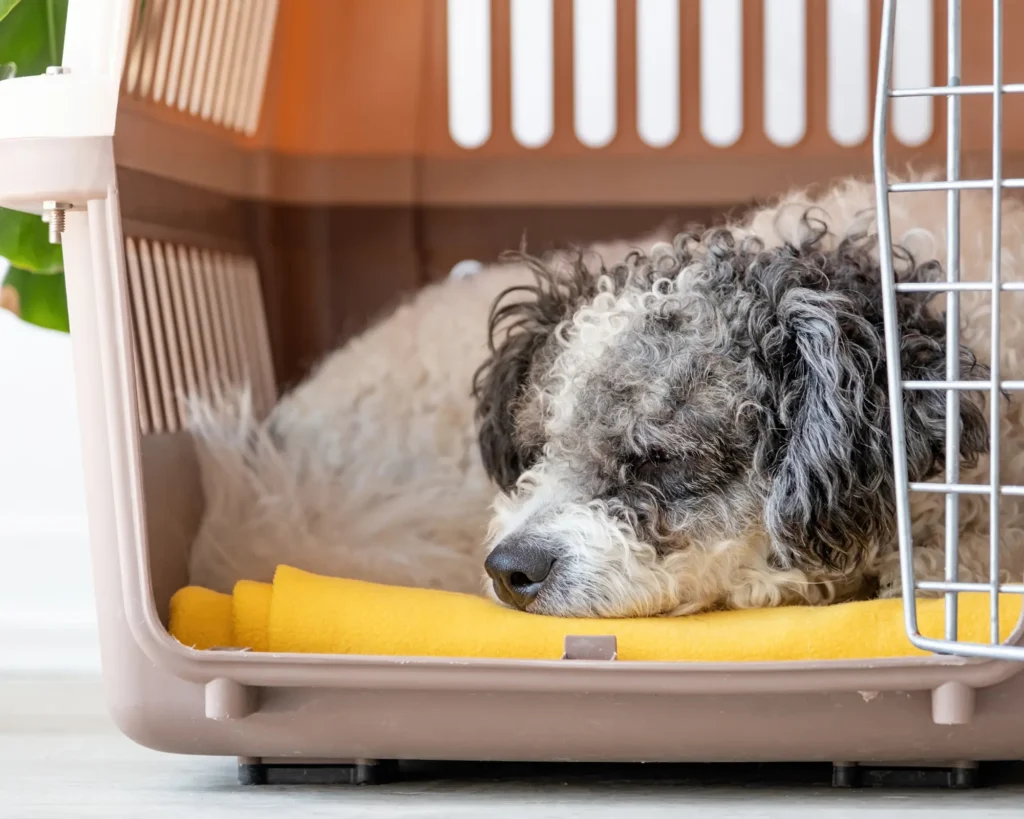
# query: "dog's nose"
519 567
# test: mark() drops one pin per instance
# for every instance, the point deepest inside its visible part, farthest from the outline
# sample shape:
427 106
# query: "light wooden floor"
60 757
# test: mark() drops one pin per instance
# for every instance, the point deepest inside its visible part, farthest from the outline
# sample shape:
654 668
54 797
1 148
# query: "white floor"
60 757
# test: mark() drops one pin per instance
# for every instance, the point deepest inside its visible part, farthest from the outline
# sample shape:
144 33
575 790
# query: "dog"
649 428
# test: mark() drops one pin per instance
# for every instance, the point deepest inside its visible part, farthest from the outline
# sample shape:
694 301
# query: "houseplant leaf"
32 34
7 6
25 243
37 299
31 39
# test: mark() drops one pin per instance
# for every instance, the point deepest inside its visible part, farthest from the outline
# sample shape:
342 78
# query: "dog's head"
704 427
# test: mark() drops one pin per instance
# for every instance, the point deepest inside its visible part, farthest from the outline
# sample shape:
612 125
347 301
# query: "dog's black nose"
519 567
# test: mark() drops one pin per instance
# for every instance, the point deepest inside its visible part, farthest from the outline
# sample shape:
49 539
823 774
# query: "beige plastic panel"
206 58
198 328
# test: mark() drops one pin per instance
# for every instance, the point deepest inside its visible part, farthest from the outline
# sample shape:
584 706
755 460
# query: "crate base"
954 776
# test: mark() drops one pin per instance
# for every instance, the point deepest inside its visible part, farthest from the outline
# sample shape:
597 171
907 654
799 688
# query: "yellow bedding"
307 613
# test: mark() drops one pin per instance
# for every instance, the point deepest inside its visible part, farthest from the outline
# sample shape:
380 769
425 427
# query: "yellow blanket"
306 613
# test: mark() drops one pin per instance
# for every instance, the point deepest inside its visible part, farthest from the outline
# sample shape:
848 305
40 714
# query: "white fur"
378 475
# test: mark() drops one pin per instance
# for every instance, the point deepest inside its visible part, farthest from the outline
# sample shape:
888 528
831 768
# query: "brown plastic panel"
314 260
355 111
383 92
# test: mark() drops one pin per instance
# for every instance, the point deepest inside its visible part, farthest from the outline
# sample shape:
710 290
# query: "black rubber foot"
960 777
377 773
846 776
252 774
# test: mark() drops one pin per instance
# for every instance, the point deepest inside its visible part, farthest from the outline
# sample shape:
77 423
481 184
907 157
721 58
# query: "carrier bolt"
57 70
953 704
53 213
227 700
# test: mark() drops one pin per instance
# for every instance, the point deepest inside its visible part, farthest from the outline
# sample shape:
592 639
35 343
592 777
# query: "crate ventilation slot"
199 328
722 82
206 58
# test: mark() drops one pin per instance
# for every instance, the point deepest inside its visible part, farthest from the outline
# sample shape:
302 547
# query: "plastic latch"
590 647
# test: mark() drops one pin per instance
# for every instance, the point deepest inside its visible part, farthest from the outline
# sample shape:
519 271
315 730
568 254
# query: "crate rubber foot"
958 776
376 772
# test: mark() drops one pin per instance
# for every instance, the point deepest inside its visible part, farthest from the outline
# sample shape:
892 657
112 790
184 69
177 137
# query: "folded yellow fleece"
307 613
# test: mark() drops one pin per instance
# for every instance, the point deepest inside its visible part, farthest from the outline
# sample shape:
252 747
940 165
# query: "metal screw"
53 213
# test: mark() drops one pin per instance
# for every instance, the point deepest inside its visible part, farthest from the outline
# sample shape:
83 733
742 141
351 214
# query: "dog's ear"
522 324
923 358
832 488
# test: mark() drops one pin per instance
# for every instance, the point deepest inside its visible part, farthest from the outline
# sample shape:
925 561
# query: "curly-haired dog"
702 424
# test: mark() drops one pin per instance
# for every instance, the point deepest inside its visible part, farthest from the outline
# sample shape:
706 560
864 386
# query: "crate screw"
53 214
56 70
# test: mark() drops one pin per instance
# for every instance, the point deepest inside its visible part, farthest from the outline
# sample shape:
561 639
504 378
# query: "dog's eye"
647 463
658 456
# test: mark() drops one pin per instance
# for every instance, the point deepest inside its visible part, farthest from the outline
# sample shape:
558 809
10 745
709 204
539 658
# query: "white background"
47 619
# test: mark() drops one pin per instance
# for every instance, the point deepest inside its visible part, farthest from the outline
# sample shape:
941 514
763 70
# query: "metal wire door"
953 91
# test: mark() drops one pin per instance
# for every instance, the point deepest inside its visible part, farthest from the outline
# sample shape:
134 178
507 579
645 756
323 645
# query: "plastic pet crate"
222 167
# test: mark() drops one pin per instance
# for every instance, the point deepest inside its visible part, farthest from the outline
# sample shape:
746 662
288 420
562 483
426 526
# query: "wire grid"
952 287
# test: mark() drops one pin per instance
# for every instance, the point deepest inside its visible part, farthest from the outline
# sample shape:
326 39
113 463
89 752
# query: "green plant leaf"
25 243
32 34
51 32
31 39
39 300
7 6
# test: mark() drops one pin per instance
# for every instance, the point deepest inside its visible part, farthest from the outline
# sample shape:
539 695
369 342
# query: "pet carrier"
220 167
